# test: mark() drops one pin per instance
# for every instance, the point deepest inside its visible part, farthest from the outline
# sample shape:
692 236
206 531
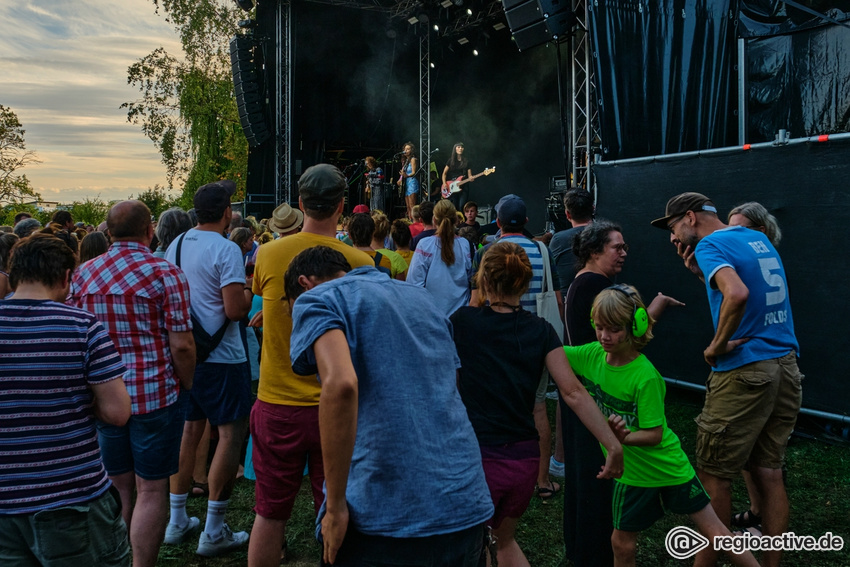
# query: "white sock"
178 509
215 517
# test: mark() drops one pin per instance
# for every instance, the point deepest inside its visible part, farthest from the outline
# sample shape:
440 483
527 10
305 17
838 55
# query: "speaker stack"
535 22
248 87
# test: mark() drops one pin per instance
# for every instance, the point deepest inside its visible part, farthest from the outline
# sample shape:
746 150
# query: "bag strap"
219 334
547 268
378 257
179 247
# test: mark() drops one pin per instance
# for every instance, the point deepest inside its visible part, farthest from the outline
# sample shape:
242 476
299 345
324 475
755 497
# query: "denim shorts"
220 393
89 533
148 445
459 549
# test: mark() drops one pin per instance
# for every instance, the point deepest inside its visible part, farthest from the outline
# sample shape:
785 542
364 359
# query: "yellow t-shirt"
278 383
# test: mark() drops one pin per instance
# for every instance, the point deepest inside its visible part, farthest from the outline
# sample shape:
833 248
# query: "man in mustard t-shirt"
285 417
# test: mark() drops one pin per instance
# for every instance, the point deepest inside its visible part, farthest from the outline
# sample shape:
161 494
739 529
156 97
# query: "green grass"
818 481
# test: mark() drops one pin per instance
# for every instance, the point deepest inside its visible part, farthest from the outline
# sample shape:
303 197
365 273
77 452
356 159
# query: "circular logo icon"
683 542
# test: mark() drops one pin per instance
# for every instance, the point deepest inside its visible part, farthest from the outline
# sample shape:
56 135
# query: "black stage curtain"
804 186
663 75
799 82
760 18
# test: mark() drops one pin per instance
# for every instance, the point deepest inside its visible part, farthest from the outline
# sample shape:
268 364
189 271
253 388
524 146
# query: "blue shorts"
411 187
148 445
221 393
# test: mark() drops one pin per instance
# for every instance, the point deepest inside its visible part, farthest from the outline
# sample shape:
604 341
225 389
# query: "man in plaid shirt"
143 302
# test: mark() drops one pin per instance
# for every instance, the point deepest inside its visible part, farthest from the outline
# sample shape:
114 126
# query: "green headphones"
640 318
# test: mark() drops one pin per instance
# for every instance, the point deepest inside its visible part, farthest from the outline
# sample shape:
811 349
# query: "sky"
64 73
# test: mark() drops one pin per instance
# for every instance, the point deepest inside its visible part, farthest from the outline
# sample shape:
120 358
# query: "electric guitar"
453 186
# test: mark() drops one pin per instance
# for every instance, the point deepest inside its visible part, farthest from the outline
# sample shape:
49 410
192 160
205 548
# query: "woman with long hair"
458 166
503 350
442 263
600 251
407 179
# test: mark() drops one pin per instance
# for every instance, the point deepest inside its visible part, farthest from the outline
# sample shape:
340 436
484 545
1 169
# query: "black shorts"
636 508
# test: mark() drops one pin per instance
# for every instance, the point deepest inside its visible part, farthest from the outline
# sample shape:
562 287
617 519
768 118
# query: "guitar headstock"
489 170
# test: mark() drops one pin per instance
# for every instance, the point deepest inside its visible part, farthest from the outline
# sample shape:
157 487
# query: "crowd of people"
424 438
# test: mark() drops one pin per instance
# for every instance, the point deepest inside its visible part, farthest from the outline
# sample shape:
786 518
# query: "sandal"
747 519
545 493
200 489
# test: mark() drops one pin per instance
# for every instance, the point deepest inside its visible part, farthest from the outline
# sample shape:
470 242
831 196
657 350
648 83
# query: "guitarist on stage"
458 166
407 178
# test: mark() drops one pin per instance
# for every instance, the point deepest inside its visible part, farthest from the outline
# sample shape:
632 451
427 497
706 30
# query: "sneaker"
227 540
174 534
556 468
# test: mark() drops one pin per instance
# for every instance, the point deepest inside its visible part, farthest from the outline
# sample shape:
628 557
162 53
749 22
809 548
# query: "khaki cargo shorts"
749 414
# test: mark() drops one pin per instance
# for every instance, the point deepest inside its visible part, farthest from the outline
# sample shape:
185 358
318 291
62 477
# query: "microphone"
435 150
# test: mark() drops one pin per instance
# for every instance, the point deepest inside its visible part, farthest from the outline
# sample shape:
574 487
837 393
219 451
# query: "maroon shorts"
285 438
511 479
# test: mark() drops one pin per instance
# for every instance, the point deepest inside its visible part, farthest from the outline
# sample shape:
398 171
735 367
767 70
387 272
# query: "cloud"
65 76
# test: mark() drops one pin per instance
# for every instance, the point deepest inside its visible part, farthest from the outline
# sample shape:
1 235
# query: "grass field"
818 480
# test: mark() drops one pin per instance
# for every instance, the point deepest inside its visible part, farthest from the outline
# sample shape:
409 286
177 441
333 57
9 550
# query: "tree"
187 106
91 211
14 156
156 199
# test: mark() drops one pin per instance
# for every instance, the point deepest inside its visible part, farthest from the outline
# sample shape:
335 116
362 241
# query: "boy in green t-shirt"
628 389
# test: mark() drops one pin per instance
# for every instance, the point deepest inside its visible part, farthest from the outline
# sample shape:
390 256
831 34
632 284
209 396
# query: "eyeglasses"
621 247
672 224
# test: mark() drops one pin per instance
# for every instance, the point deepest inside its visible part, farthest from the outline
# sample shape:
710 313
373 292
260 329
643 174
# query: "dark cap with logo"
321 187
214 197
511 211
681 204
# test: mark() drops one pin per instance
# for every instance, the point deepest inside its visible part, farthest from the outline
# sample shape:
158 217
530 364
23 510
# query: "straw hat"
285 219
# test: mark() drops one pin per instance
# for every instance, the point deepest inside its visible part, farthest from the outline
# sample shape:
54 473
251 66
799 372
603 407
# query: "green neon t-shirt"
636 393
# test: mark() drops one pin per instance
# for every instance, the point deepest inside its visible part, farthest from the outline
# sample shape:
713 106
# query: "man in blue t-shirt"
403 472
753 393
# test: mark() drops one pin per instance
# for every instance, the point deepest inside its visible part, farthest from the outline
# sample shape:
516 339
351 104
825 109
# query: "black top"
420 236
502 357
456 170
579 302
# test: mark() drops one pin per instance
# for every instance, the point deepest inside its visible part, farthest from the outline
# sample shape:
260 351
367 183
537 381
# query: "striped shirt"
535 286
139 298
49 355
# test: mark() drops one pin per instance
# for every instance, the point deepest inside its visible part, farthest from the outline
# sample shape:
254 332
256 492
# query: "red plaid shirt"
139 299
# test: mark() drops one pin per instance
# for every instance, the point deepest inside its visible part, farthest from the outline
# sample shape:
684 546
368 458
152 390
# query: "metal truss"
283 103
490 13
425 110
585 131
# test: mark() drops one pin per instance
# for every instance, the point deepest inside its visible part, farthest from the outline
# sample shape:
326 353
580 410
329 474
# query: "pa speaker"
248 88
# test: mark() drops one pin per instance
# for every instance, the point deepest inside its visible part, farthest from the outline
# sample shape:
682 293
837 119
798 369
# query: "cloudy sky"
64 73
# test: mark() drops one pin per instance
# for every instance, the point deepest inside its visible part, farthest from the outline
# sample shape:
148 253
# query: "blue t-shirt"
416 469
767 320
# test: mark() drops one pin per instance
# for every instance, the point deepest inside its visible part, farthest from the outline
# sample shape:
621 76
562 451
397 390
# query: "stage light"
498 26
463 41
432 65
469 11
475 52
446 3
412 20
436 27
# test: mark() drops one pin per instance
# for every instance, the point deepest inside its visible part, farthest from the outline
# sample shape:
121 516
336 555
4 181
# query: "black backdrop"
805 187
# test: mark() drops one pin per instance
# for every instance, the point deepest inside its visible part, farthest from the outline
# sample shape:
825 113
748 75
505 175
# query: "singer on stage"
374 184
458 166
407 179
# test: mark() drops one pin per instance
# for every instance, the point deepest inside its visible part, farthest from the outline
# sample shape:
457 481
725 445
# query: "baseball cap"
321 187
511 211
214 197
361 209
681 204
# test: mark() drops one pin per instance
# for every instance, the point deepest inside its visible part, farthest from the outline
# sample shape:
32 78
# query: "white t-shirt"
211 262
